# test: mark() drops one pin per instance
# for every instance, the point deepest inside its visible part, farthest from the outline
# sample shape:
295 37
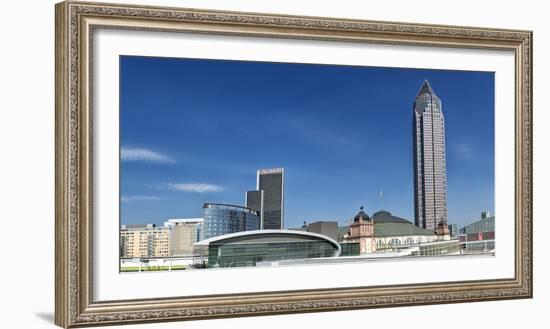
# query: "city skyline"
200 148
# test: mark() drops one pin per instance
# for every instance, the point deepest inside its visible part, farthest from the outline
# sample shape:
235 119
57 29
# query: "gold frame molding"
75 23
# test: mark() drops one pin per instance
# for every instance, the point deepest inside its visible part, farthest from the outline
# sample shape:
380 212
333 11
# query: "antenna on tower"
381 197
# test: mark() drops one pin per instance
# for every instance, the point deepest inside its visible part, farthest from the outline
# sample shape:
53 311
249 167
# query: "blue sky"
195 131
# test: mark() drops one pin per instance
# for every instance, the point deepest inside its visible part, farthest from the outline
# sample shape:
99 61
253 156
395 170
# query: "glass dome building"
220 219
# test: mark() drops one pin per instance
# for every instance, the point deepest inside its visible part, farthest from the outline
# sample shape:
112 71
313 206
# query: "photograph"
233 163
217 163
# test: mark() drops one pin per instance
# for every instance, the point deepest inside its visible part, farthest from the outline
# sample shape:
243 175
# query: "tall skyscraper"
268 199
430 177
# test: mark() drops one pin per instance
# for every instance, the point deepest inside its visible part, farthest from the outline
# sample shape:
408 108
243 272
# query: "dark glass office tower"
268 199
271 182
430 176
255 200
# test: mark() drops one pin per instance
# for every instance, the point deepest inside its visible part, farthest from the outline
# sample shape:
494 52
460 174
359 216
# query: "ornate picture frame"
76 22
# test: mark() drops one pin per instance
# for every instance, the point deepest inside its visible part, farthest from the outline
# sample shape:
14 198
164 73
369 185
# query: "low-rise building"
183 233
267 247
479 235
361 231
325 227
144 240
453 229
384 232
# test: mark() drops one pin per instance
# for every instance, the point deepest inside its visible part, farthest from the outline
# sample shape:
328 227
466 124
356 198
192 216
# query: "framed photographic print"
218 164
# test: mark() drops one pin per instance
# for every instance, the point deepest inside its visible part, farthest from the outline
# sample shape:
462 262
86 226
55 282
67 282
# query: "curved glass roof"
257 236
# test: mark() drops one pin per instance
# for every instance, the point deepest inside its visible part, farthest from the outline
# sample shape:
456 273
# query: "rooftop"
384 216
399 229
185 220
175 221
229 206
138 227
266 236
388 225
425 89
361 215
271 171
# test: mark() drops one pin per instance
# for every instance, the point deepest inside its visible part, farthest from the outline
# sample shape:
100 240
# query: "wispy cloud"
464 151
142 154
133 198
193 187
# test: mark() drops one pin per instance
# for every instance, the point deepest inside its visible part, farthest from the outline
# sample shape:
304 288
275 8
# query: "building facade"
268 199
145 240
362 232
266 247
220 219
437 248
384 232
430 178
255 200
325 227
453 230
479 235
184 232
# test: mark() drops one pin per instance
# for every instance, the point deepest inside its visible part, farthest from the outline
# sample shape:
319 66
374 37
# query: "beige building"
362 232
144 240
183 233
